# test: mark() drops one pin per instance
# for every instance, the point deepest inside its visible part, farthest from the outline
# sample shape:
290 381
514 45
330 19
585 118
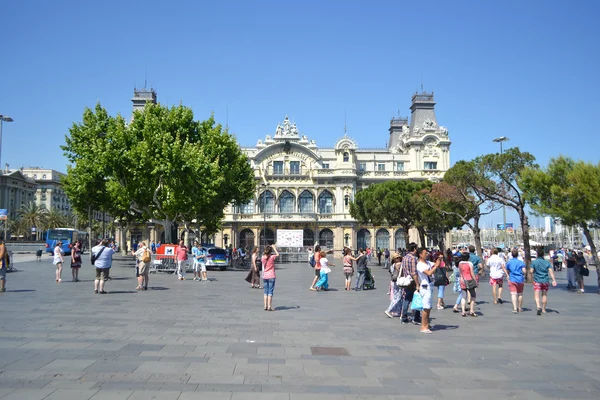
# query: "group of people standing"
59 260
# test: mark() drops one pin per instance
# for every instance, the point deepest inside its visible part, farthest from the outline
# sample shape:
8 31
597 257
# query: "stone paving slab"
184 340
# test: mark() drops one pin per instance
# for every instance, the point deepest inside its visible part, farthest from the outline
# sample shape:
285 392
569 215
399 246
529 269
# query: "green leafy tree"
164 166
390 202
442 208
498 178
468 203
568 190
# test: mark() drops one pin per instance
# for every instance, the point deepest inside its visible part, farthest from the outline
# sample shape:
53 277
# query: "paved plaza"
213 341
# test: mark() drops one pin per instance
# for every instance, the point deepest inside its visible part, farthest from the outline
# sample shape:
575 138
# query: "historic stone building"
302 186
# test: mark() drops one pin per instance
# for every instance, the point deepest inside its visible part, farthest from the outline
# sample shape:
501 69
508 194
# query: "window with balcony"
277 167
362 167
430 165
286 202
380 167
247 208
326 203
399 165
346 156
306 202
295 167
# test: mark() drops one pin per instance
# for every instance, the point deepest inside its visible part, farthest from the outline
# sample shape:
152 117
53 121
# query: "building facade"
49 193
16 189
302 186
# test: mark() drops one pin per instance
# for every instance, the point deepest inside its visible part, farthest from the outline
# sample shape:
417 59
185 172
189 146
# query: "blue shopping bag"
417 302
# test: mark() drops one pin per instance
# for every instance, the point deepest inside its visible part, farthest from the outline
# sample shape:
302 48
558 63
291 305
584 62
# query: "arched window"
326 239
308 238
326 203
346 200
400 239
270 237
346 156
287 202
382 239
247 239
306 202
363 239
44 176
266 202
247 208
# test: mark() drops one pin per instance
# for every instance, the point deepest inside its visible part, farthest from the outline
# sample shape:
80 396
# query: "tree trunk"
442 243
590 239
477 236
526 245
406 236
421 237
167 224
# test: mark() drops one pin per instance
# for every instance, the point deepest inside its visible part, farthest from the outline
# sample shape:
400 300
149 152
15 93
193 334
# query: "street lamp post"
264 209
501 140
3 118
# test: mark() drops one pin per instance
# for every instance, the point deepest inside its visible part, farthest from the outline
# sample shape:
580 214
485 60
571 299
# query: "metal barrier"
168 263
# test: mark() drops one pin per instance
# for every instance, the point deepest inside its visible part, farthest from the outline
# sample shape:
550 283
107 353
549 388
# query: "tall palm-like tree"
32 216
18 228
55 219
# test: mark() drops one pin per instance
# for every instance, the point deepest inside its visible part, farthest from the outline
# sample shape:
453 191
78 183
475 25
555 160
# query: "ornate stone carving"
443 130
429 125
431 149
286 129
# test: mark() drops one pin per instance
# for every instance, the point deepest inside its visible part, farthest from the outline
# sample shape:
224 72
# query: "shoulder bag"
404 280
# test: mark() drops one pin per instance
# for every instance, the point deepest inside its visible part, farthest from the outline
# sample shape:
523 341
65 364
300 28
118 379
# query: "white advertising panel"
290 238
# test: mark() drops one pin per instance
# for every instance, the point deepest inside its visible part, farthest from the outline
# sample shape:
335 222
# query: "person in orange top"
317 267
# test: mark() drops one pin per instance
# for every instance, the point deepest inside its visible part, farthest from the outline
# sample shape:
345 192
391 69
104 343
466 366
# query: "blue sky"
523 69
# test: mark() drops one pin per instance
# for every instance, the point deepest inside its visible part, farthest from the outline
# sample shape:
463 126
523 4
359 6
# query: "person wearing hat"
395 308
58 260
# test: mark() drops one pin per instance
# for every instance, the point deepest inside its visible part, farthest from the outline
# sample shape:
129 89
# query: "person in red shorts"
516 280
542 271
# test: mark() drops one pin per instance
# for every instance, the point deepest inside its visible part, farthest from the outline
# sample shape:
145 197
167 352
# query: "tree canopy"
163 166
568 190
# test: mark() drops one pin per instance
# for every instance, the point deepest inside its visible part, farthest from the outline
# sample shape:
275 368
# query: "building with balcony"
16 189
49 193
303 186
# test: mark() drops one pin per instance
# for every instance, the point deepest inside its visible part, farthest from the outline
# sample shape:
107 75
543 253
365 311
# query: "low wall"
17 247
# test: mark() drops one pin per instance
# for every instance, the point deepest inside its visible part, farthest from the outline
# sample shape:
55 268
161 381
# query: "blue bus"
67 236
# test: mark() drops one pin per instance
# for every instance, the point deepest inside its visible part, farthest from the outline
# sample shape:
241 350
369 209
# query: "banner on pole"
3 214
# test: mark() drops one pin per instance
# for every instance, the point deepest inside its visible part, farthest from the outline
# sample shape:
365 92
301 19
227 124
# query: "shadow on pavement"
444 327
20 290
156 288
283 308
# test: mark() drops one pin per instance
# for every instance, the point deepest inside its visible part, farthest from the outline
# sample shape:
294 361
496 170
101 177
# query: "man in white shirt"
497 271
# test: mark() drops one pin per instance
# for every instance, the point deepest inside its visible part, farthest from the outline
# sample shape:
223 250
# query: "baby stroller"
369 280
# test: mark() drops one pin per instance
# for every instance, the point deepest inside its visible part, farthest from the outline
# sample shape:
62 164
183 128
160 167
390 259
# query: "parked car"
216 258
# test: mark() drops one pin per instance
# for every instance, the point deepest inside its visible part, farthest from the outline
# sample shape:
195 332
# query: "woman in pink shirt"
268 262
182 256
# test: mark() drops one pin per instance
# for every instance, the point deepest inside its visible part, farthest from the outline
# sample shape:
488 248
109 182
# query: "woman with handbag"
467 284
255 270
348 268
395 307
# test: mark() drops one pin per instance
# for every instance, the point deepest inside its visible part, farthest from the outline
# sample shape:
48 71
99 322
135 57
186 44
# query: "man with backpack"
144 258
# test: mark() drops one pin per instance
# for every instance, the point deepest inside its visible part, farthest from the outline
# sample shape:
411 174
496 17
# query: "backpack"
440 277
146 257
312 261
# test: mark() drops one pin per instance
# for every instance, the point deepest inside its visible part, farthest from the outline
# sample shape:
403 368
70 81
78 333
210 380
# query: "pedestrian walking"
440 280
361 269
395 307
199 262
467 284
425 272
102 261
516 280
58 260
409 268
317 267
497 272
268 262
76 261
323 282
3 265
348 268
386 259
255 278
571 276
542 271
182 256
581 270
144 258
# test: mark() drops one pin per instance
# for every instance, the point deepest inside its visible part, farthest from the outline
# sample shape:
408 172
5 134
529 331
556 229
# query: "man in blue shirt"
476 261
516 280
